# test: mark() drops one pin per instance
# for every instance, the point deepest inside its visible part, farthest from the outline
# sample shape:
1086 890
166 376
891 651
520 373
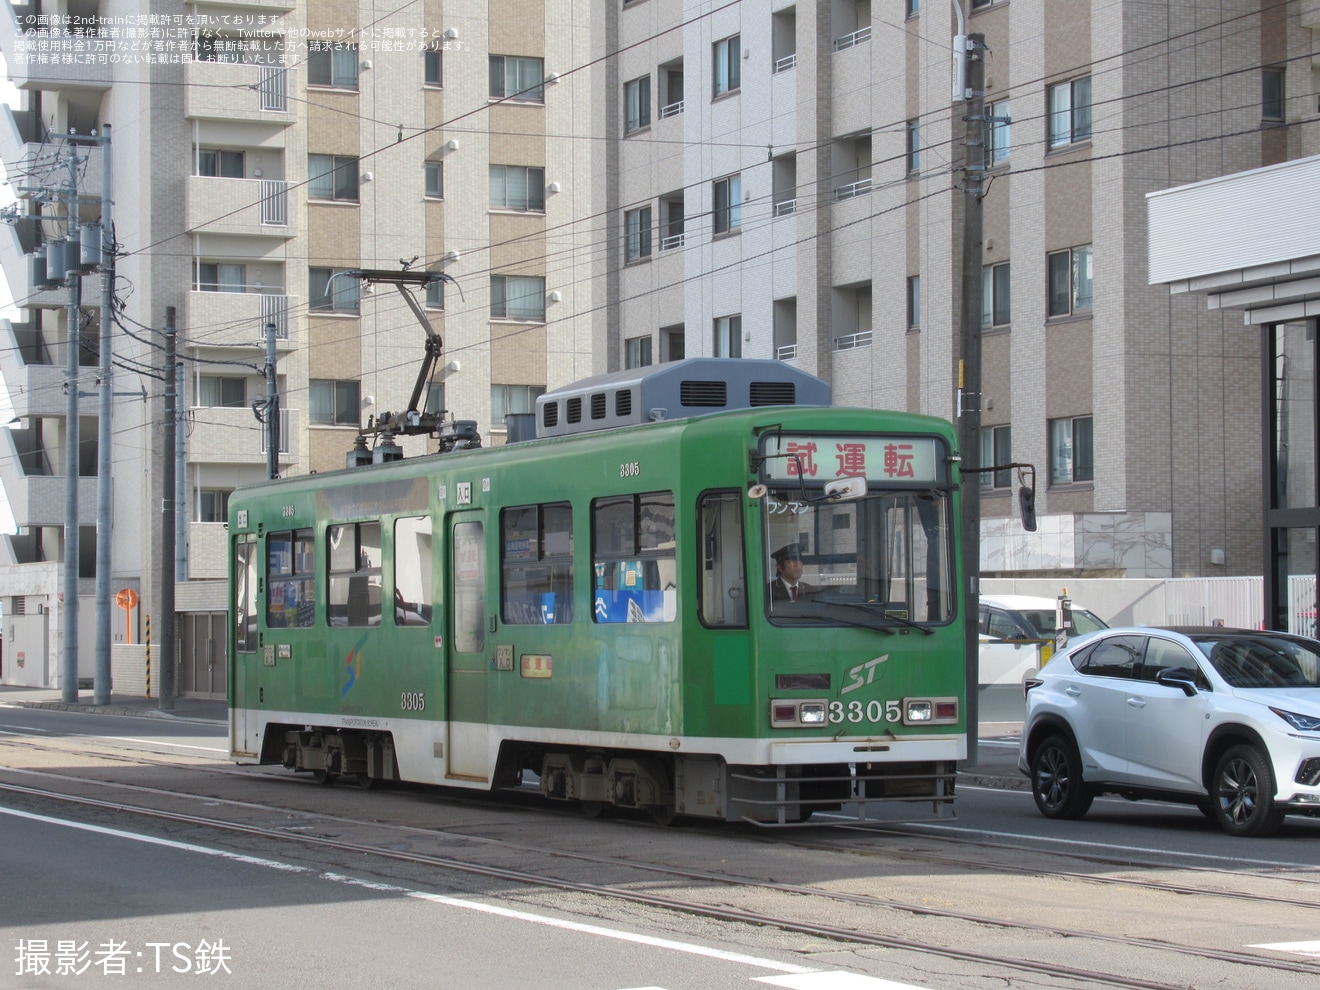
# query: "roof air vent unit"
773 393
709 394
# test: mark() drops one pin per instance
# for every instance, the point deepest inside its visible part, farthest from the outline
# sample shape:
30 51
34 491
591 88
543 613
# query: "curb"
64 706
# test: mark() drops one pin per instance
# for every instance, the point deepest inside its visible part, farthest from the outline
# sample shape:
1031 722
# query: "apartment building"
789 186
263 150
615 184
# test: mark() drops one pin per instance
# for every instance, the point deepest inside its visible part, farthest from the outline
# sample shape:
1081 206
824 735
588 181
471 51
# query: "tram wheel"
592 809
365 781
661 814
324 777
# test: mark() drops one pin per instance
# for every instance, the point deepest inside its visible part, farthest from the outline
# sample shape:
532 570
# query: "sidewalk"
996 751
185 709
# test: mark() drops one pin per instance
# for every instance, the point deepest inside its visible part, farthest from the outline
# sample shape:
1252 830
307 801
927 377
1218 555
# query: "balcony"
238 91
239 206
853 340
54 60
238 319
786 352
852 39
38 499
223 435
34 164
852 190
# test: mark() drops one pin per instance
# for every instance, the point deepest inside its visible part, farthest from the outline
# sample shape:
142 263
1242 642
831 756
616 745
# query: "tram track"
300 833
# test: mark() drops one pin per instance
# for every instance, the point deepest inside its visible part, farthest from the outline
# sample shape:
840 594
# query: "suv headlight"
1302 723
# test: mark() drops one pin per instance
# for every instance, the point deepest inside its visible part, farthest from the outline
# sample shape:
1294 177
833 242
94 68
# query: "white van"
1018 634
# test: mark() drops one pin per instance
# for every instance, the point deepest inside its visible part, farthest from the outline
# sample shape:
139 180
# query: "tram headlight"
930 711
812 713
787 713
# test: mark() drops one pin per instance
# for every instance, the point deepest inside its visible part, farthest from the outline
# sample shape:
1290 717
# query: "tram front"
859 649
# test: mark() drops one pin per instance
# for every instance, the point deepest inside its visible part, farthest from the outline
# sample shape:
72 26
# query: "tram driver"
788 585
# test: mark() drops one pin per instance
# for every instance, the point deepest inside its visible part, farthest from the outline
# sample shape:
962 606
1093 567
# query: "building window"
673 343
1070 281
536 564
332 177
216 276
1070 112
506 400
913 7
728 66
514 78
728 336
334 402
435 295
997 448
728 204
332 63
517 297
914 302
433 67
222 164
332 289
913 145
435 180
1271 94
228 393
354 579
1071 455
996 296
213 504
638 224
998 141
517 187
637 352
637 98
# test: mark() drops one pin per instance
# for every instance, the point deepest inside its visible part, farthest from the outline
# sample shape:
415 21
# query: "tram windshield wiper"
880 619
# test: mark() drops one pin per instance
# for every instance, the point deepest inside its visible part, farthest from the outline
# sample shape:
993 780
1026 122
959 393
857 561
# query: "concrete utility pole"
70 258
969 364
168 509
104 437
272 411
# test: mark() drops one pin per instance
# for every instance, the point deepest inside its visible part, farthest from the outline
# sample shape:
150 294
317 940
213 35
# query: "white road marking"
454 902
1298 948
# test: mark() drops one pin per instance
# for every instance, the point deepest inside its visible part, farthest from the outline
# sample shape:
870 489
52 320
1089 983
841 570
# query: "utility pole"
167 524
182 507
272 411
72 273
969 363
104 437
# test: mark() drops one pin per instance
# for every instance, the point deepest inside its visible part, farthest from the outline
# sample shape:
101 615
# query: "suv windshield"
886 559
1261 661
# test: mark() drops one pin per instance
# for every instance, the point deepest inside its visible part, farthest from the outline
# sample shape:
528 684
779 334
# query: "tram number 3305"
869 711
412 701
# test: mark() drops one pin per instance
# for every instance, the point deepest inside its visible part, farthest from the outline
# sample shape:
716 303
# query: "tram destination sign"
821 458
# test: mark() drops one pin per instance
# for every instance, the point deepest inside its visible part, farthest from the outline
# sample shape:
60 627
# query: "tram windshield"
882 561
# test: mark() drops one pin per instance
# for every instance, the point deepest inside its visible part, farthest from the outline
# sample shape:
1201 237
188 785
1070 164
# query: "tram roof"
675 390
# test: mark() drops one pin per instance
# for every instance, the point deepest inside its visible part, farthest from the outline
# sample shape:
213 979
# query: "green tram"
595 605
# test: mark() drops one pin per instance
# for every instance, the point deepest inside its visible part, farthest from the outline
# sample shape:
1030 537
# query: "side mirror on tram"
1027 500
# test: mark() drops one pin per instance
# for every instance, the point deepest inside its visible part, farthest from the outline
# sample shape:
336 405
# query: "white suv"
1226 719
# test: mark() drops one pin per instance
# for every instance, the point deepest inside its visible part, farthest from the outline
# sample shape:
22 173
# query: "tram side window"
290 579
245 595
635 573
354 578
723 574
412 571
536 564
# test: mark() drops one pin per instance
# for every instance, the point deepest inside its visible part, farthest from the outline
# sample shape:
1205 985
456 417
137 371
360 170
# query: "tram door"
467 754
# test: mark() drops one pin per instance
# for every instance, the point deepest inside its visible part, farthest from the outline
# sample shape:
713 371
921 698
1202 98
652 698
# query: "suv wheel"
1056 779
1243 793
